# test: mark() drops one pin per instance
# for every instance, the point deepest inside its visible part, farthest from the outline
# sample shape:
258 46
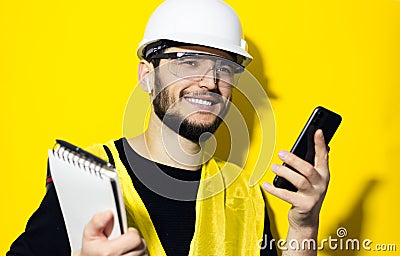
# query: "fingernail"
275 167
266 185
282 154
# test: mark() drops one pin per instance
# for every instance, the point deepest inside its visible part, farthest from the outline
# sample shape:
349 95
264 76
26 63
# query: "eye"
226 70
189 62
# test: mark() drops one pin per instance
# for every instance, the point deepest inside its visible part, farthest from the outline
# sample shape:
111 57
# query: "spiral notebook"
85 185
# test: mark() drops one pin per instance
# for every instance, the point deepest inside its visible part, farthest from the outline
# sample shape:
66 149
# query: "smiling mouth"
199 101
203 99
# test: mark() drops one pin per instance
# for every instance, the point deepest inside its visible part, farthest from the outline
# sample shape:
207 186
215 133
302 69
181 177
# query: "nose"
209 80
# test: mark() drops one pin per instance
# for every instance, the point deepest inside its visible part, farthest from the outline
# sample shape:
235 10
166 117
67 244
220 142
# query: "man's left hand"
312 184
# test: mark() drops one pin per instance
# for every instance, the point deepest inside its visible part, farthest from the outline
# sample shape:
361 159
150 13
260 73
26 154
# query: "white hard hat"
210 23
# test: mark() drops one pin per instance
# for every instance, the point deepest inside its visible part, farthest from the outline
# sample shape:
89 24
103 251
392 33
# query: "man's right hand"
95 239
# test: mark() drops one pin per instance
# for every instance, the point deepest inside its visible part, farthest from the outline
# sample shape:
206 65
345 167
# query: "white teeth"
201 102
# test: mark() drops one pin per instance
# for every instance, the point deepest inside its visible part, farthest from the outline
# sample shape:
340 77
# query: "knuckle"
302 183
108 252
97 219
326 177
135 230
308 206
308 171
135 239
322 189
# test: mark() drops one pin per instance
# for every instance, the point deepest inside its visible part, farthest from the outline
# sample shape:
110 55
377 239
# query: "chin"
202 119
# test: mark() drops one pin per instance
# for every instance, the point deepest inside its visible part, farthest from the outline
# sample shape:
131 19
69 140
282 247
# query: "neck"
162 145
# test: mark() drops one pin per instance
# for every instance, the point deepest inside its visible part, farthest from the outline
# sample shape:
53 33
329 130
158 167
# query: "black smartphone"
321 118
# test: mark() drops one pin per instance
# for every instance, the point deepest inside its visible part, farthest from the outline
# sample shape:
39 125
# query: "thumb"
321 151
100 226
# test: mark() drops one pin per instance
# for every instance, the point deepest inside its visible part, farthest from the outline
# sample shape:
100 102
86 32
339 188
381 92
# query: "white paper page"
81 194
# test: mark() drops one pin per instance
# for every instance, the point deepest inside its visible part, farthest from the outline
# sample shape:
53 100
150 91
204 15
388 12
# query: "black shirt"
174 220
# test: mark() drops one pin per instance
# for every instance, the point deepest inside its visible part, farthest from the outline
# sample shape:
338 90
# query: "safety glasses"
195 66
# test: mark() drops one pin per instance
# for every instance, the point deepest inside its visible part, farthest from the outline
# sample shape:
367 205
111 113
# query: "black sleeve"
45 233
268 247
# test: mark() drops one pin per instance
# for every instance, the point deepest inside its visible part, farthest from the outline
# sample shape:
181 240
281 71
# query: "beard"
196 132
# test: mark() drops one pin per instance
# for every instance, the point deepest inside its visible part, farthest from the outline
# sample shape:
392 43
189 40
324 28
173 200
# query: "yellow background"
67 69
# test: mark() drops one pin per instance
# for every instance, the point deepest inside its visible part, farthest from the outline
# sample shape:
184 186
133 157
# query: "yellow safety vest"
230 222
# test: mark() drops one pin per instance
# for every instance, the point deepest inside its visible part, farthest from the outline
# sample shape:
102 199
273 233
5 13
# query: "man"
178 203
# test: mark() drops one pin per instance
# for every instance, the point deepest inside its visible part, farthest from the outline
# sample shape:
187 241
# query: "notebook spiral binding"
82 159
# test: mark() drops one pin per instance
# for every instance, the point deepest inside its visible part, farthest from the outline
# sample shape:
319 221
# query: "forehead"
201 49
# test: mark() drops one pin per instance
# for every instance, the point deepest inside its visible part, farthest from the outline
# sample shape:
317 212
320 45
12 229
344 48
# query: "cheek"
183 87
225 92
174 92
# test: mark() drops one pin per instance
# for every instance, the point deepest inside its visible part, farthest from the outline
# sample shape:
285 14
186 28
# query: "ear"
144 76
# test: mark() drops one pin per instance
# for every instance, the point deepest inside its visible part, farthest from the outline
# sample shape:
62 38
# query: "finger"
321 152
142 252
136 253
98 224
298 180
109 227
285 195
127 243
302 166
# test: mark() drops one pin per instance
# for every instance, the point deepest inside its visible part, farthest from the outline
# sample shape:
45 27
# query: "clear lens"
222 71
